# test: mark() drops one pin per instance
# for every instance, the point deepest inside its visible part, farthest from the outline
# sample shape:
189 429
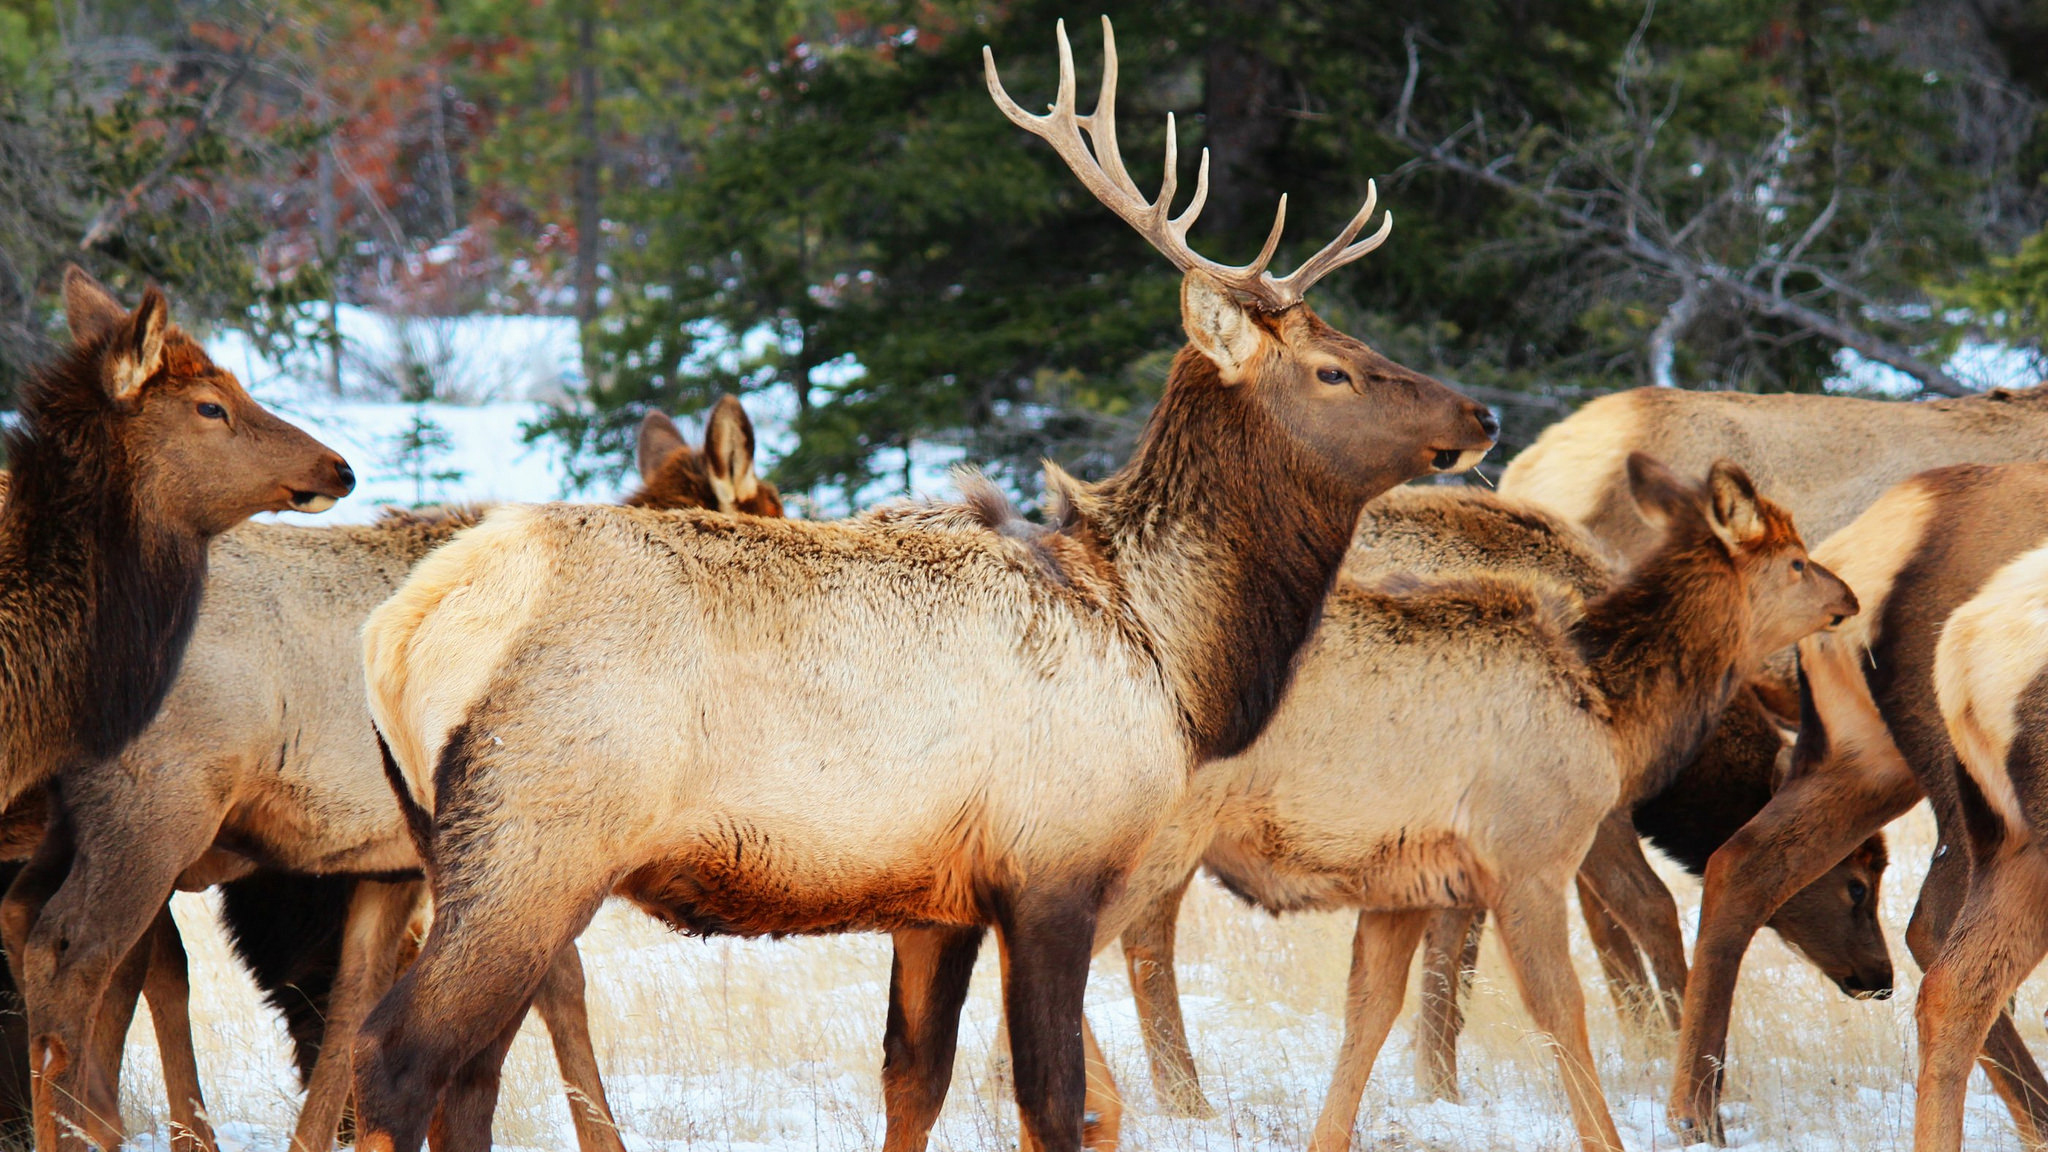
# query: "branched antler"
1102 172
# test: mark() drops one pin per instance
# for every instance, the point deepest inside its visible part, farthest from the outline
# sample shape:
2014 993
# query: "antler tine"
1338 252
1101 123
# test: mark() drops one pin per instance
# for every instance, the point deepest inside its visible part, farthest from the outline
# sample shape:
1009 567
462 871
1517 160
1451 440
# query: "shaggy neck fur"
1225 570
1666 648
97 600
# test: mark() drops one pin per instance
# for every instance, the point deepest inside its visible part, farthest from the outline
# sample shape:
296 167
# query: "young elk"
132 452
1824 457
1440 532
261 758
1872 743
1991 678
1561 717
882 727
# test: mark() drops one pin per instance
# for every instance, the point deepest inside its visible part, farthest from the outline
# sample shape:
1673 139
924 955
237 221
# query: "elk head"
204 455
1791 596
720 476
1360 416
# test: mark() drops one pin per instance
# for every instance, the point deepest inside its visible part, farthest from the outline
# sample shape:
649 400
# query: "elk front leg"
1633 898
1148 957
1046 937
2004 1057
1450 954
470 1102
928 981
377 915
1381 948
563 1009
1999 937
1808 827
1534 934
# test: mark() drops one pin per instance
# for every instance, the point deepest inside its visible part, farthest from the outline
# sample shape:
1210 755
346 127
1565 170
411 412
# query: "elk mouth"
303 501
1457 459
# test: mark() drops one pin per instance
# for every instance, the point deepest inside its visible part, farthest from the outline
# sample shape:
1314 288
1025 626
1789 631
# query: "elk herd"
1252 651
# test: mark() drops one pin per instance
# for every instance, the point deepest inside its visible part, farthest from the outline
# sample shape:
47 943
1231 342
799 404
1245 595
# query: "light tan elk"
1825 457
779 726
132 452
1440 532
1991 678
263 756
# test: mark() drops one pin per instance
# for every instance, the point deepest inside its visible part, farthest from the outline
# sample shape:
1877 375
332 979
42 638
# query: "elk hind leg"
168 988
566 1013
1535 935
1633 898
1047 936
1450 955
1148 946
2000 936
1381 948
377 916
2014 1074
928 981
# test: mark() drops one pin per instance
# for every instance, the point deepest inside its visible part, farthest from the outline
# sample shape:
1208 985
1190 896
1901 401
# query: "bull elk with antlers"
915 711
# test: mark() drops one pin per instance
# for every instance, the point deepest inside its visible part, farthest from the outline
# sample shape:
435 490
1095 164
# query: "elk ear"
729 453
1218 326
659 439
89 308
1732 509
136 349
1660 495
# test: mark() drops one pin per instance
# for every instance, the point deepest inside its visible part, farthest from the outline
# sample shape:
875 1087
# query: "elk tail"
418 821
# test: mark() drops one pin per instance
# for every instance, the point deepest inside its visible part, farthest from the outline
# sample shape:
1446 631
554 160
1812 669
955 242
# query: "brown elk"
132 452
1991 679
261 758
1438 532
1825 457
754 726
1871 744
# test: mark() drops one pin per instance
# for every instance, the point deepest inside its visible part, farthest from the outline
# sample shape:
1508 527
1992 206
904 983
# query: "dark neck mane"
1225 538
96 602
1666 648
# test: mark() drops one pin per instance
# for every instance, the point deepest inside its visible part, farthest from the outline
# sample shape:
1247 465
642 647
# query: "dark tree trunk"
1243 92
589 215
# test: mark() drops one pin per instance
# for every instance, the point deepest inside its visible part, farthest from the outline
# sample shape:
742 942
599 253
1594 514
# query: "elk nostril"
1488 422
345 475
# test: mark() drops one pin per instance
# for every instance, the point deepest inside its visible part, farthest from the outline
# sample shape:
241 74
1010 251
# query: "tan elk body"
777 726
264 755
1991 680
1824 457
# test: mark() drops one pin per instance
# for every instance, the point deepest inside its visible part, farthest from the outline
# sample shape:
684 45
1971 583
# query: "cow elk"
756 726
1871 744
262 757
132 452
1824 457
1991 678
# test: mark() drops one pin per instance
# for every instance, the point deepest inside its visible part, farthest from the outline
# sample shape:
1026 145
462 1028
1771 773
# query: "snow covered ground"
766 1045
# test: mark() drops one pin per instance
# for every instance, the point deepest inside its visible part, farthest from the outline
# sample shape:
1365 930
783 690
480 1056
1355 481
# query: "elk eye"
1799 566
1857 892
1333 376
213 411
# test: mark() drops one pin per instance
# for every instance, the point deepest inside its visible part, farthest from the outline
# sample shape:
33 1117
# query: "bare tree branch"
109 217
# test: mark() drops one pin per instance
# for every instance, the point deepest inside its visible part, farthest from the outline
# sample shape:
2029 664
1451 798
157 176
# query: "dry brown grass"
755 1044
